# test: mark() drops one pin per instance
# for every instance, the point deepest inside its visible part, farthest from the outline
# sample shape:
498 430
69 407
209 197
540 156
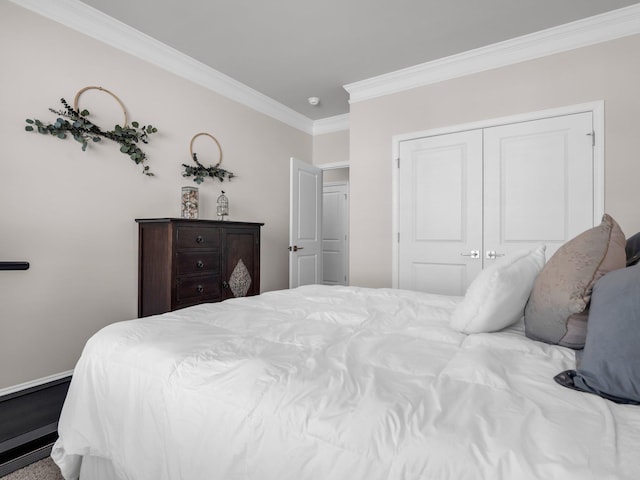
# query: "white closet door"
538 184
440 212
492 191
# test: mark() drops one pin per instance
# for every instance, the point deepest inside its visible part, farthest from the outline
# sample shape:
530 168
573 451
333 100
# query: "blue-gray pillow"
610 363
632 249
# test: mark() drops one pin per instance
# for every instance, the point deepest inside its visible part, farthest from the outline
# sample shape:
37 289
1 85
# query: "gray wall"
71 213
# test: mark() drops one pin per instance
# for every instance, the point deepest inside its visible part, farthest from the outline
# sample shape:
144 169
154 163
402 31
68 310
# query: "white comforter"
335 383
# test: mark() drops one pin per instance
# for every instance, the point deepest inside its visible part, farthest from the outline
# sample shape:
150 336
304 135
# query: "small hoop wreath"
200 172
212 138
81 91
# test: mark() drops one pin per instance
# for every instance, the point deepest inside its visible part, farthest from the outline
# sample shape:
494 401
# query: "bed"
336 383
353 383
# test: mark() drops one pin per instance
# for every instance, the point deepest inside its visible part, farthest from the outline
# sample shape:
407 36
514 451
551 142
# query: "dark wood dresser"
185 262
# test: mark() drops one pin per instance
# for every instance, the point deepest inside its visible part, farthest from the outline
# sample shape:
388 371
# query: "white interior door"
334 233
538 184
305 224
440 212
489 192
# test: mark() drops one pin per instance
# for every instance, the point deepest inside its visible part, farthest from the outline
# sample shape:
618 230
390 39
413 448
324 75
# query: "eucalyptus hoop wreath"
75 122
199 171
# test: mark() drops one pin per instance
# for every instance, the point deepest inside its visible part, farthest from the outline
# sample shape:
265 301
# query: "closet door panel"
532 202
538 183
439 278
439 178
440 212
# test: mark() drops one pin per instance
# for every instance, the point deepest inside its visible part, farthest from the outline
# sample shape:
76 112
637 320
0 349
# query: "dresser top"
194 220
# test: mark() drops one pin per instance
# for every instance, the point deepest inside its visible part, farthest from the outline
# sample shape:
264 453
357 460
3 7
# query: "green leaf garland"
200 172
76 123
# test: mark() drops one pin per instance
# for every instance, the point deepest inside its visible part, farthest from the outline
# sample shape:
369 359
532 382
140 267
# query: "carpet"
44 469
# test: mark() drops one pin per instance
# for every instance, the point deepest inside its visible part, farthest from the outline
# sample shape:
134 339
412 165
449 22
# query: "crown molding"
582 33
337 123
89 21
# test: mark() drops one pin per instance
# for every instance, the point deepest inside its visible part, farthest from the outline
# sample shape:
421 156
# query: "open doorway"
335 225
318 224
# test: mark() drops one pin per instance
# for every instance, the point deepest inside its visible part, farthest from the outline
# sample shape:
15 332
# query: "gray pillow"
610 363
556 312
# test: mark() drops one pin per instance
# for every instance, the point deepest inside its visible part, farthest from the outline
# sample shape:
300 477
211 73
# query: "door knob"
492 254
472 254
295 248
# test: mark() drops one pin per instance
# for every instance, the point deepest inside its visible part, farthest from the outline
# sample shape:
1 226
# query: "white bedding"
333 383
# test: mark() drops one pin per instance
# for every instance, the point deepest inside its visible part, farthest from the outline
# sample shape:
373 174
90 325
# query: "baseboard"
29 423
26 455
35 383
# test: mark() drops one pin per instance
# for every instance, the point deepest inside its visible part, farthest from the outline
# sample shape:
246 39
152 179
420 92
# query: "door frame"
336 166
596 108
332 166
345 226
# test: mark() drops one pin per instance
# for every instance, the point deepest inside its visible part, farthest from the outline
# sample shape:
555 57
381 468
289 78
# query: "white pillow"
497 296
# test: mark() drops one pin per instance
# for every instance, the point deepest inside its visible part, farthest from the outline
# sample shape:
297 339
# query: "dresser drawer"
197 289
197 262
198 237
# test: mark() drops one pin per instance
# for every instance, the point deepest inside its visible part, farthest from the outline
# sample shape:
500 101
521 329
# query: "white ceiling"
290 50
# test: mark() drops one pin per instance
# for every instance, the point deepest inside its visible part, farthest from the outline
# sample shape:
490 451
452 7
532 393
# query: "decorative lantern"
223 206
189 208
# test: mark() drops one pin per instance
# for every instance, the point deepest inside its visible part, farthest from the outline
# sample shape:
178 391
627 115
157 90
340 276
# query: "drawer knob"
225 284
200 264
199 239
200 288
